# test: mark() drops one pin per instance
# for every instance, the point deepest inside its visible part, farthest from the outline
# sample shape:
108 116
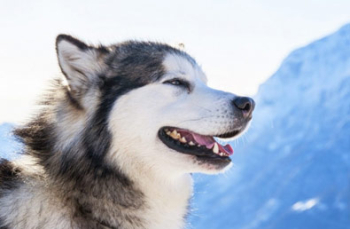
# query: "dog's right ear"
80 63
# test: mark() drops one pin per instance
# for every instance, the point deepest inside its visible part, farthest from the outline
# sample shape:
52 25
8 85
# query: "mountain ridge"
292 168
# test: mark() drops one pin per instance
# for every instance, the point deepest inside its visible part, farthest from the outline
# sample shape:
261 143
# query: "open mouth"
202 146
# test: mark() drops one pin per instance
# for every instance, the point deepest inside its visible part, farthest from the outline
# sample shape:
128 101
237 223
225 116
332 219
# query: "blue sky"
239 43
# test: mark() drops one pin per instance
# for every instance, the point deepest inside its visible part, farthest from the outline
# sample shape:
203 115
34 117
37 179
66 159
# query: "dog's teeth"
168 132
183 140
191 143
175 135
216 148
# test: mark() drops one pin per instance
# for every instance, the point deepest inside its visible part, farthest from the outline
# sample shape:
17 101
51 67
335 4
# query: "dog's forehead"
146 62
177 64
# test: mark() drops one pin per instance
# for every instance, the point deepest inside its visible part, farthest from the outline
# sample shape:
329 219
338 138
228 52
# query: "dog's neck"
166 193
152 200
167 199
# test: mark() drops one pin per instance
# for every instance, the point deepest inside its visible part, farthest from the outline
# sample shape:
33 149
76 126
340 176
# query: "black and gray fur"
75 176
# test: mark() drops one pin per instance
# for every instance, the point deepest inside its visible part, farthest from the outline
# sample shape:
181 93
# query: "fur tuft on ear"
79 62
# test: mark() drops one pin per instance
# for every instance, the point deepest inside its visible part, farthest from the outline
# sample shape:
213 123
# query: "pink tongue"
209 142
227 149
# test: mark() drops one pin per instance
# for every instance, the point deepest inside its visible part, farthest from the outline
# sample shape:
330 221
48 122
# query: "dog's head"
150 104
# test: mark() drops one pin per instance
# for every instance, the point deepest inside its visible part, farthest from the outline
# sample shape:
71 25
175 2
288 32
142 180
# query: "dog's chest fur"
167 203
149 203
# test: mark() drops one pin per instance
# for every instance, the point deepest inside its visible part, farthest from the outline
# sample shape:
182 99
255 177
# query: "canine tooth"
183 140
174 135
168 132
191 143
216 148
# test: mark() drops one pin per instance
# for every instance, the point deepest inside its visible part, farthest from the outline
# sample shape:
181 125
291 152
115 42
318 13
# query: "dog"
118 138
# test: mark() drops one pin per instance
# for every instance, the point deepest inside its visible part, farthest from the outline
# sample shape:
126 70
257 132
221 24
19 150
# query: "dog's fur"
93 156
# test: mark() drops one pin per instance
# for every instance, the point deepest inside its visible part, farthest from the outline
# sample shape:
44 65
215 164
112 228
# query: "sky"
238 43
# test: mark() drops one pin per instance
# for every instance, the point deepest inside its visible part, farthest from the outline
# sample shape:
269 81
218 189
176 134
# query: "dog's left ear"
80 63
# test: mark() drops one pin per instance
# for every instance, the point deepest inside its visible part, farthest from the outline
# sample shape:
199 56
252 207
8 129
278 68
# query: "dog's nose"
245 104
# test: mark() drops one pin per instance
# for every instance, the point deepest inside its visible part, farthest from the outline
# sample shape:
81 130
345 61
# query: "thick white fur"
162 173
33 199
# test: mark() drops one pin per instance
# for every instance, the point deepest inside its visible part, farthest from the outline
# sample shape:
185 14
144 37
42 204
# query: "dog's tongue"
209 142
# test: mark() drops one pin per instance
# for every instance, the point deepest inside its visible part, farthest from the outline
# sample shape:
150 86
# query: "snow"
291 169
9 147
305 205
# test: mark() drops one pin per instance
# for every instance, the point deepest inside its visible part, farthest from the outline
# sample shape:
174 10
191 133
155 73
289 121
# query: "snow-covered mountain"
292 169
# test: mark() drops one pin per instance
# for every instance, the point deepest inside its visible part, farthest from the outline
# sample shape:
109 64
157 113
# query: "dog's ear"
80 63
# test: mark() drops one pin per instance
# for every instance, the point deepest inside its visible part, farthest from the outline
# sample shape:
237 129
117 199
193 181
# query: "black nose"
245 104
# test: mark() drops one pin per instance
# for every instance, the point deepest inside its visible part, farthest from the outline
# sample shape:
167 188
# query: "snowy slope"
9 148
292 169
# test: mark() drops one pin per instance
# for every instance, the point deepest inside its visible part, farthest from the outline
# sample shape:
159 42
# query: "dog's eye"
178 82
175 82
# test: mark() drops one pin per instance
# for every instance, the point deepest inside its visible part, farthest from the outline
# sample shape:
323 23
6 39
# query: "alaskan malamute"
117 140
